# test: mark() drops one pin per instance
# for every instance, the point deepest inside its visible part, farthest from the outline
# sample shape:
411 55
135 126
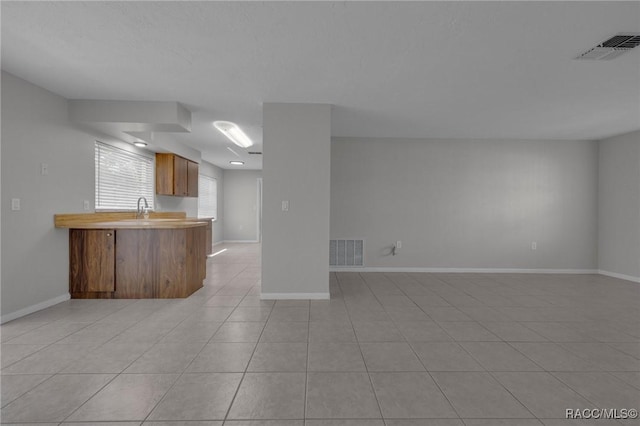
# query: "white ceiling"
404 70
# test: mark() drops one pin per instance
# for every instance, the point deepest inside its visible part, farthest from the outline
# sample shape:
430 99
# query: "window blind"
121 178
207 197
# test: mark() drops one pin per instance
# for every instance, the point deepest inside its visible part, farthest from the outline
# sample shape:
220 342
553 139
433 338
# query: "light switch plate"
15 204
44 169
85 205
285 205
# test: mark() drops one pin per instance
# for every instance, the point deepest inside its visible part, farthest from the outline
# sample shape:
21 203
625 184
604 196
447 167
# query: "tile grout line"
425 368
181 374
592 401
123 371
244 374
154 344
60 372
486 371
25 392
373 389
90 324
350 300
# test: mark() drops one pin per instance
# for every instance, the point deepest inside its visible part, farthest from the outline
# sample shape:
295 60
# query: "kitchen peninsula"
116 256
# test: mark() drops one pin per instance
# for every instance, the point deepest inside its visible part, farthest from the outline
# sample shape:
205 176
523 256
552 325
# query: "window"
207 197
121 178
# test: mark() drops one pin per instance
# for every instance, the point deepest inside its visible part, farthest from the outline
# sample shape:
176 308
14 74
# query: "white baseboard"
34 308
467 270
241 241
294 296
620 276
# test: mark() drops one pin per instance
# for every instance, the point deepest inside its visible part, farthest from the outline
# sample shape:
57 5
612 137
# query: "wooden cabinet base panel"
94 295
148 263
116 295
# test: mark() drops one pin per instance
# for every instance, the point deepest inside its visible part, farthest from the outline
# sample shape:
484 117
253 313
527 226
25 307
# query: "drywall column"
296 171
619 206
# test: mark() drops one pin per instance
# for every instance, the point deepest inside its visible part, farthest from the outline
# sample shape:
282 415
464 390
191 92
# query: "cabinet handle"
108 234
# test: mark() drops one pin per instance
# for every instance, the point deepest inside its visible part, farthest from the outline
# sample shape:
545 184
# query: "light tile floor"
394 349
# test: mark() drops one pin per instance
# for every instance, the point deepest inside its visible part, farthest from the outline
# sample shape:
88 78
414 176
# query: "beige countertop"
141 224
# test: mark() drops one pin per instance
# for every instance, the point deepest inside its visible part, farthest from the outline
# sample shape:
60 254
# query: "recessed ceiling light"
234 133
237 163
141 144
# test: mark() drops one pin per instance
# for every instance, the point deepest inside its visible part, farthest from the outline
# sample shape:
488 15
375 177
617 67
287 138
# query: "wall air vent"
612 48
255 153
346 252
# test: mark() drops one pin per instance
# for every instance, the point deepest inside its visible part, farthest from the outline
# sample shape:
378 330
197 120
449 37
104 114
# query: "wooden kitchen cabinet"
152 261
180 181
91 261
176 175
192 179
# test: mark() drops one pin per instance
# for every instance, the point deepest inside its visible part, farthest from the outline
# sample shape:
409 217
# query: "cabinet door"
192 179
180 175
164 174
91 260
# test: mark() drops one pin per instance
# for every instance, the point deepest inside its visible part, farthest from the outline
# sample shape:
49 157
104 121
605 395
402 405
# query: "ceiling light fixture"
234 133
140 144
237 163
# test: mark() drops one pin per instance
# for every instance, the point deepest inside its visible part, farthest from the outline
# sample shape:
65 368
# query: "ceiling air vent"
613 47
255 152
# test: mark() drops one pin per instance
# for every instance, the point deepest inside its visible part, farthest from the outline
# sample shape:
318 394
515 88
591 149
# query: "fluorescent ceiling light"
141 144
234 133
237 163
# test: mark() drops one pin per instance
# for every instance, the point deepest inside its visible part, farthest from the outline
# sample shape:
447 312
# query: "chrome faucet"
142 211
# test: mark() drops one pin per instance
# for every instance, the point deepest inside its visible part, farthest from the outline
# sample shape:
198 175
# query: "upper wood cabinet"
192 179
176 176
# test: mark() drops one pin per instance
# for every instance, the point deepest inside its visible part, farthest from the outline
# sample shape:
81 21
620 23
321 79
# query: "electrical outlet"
398 244
534 245
15 204
44 169
285 205
85 205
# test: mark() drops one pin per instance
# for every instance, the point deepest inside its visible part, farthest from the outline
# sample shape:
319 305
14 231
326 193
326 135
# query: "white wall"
619 206
35 255
217 173
467 203
35 130
296 167
168 203
241 205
